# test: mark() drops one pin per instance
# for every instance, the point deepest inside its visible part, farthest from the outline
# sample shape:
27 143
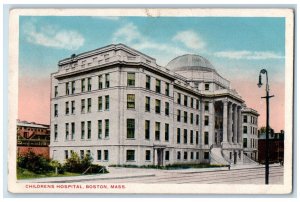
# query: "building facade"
118 106
33 137
250 132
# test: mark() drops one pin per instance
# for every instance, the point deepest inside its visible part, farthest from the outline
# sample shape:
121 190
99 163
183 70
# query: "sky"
238 47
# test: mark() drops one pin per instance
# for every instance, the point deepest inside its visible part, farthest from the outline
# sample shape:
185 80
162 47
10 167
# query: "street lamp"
267 97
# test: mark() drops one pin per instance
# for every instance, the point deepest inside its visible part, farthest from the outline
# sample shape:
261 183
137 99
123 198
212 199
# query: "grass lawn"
26 174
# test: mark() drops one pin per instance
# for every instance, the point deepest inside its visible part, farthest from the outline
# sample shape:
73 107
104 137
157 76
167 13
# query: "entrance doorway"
160 157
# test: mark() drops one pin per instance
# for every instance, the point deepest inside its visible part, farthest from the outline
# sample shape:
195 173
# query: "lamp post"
267 97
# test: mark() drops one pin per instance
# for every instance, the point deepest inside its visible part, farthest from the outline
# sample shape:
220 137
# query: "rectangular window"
89 129
192 155
206 138
82 130
167 156
206 106
178 135
191 137
185 136
100 107
130 79
167 89
67 88
73 87
197 104
106 102
55 110
82 105
185 100
106 80
106 155
89 104
192 102
99 129
178 98
130 154
67 131
130 101
245 117
185 155
185 117
55 132
157 106
245 129
197 119
147 129
147 104
197 137
148 82
206 121
178 115
55 91
148 155
81 154
158 86
99 155
66 154
206 155
130 128
192 118
245 142
106 128
73 107
197 155
207 86
167 108
67 108
72 130
82 85
89 84
166 132
100 82
157 131
178 155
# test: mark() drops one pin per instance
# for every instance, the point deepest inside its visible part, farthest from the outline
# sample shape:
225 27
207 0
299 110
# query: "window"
67 88
178 115
55 91
185 118
191 137
130 79
245 129
88 153
99 155
167 89
147 104
147 129
66 154
82 85
130 128
106 102
100 82
106 155
197 119
89 130
130 155
99 129
245 118
55 110
89 104
81 154
148 82
206 106
106 80
197 155
73 87
55 132
206 121
157 131
100 103
166 132
82 105
167 108
197 104
185 155
89 84
148 155
206 155
157 86
67 108
206 138
178 135
67 131
207 86
178 155
185 136
72 130
82 130
192 155
73 107
167 156
106 128
192 118
157 106
192 102
178 98
197 137
185 101
130 101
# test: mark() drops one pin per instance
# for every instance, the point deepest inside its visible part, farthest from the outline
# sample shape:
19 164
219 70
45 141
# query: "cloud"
190 39
249 55
113 18
51 36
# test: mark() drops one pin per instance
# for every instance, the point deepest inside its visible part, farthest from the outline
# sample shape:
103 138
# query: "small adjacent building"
33 137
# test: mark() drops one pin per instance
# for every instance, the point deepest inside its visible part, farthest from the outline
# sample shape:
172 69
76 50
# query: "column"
235 124
225 111
240 129
212 121
230 123
154 157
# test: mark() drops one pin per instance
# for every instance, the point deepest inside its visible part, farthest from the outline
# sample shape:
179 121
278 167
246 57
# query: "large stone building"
117 105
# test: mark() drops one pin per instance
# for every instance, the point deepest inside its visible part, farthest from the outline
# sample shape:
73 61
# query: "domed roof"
190 62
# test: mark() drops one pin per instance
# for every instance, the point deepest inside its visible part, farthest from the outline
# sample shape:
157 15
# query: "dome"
190 62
